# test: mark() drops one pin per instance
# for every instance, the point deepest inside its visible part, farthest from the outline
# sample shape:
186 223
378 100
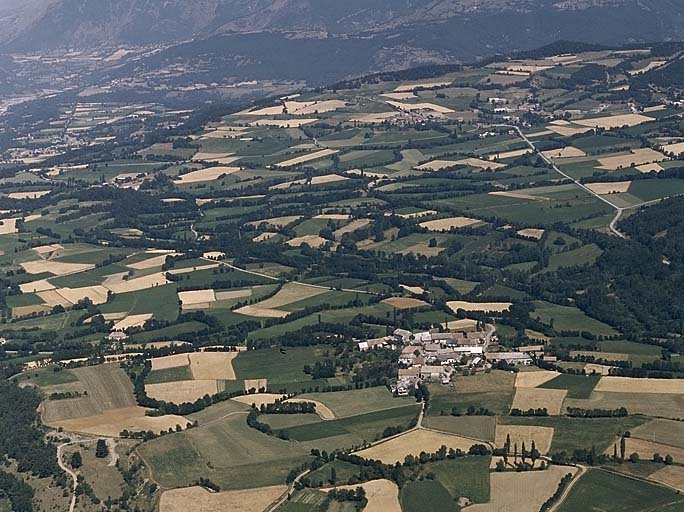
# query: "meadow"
602 490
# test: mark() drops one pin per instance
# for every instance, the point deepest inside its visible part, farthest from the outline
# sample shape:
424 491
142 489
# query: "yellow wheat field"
290 293
314 241
534 379
57 268
566 152
209 174
420 106
375 118
519 434
283 123
497 307
257 399
196 297
414 290
672 476
313 107
405 303
307 158
635 157
276 222
162 363
351 227
412 443
36 286
132 321
634 385
98 294
201 500
46 249
646 449
139 283
424 85
437 165
676 148
383 495
617 187
610 122
522 492
539 398
111 422
264 236
510 154
599 369
315 180
449 223
535 233
465 324
156 261
568 131
646 168
29 195
212 365
259 312
182 391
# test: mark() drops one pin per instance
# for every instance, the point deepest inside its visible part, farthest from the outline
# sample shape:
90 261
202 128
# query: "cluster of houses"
437 356
431 355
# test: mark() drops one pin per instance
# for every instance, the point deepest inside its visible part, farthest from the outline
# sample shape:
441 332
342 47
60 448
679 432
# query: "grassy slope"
602 491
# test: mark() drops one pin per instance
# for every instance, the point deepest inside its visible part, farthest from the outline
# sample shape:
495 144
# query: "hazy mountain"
40 24
210 45
326 40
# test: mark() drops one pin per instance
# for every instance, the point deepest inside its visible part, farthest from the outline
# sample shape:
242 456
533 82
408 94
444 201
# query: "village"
437 356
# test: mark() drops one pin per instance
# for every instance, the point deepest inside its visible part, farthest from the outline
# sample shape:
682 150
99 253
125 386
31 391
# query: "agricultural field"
477 257
606 491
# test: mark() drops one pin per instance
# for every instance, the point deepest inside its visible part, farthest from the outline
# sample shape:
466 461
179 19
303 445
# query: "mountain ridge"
42 24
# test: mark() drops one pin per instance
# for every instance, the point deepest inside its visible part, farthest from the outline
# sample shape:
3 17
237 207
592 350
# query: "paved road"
568 488
618 209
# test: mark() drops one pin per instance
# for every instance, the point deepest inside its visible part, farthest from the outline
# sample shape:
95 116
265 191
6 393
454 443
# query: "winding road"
568 488
113 458
619 210
72 474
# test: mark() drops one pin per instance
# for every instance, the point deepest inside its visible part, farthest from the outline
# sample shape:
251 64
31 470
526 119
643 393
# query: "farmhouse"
514 358
431 372
536 350
402 388
409 373
374 343
117 336
403 335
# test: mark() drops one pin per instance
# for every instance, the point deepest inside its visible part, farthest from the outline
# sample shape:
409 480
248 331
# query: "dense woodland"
22 439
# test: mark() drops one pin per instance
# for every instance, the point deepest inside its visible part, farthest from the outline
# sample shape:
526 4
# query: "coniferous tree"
101 449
